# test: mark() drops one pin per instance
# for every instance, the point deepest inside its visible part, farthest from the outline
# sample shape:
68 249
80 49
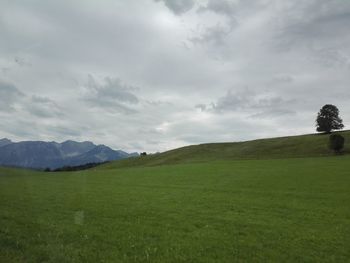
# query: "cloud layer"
153 75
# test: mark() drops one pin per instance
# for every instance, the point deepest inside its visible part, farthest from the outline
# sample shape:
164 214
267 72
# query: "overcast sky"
152 75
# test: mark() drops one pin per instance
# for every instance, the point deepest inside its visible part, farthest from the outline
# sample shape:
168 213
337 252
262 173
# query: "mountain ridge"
53 155
4 142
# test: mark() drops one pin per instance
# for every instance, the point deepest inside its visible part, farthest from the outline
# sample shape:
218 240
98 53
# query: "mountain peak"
38 154
75 142
4 142
102 146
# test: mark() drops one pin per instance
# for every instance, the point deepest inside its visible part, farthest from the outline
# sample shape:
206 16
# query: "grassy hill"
313 145
205 203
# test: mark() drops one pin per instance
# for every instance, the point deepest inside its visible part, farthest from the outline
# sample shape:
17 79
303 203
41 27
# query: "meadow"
244 210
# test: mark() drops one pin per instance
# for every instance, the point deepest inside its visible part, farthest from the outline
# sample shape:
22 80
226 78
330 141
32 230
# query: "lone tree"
328 119
336 142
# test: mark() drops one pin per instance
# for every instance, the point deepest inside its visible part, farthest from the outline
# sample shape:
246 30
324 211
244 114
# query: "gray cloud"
293 55
234 101
214 35
111 94
9 95
63 130
178 7
202 107
14 100
44 107
21 62
273 113
255 105
313 24
283 79
331 57
226 8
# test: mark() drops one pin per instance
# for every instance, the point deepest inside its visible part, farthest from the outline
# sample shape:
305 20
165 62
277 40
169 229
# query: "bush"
336 142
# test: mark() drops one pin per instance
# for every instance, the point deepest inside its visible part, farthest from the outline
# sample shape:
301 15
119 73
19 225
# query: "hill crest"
310 145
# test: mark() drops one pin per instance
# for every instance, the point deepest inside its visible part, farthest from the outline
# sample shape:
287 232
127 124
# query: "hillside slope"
313 145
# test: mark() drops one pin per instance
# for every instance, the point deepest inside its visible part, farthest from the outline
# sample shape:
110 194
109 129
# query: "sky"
153 75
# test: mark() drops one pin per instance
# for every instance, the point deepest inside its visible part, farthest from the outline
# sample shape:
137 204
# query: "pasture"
277 210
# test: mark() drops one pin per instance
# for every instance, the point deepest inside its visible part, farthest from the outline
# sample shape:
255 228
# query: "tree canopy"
328 119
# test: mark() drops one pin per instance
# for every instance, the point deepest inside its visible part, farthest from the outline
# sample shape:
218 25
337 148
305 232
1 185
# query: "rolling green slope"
224 202
285 210
314 145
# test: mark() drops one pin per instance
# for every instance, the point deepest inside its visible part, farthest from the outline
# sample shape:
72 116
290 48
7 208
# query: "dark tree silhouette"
328 119
336 142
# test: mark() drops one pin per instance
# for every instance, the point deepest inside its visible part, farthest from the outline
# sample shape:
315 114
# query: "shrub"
336 142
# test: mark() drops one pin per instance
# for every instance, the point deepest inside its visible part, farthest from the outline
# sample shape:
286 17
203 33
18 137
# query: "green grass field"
201 210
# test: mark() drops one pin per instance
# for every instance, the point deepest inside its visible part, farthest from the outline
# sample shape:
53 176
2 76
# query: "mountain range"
40 155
